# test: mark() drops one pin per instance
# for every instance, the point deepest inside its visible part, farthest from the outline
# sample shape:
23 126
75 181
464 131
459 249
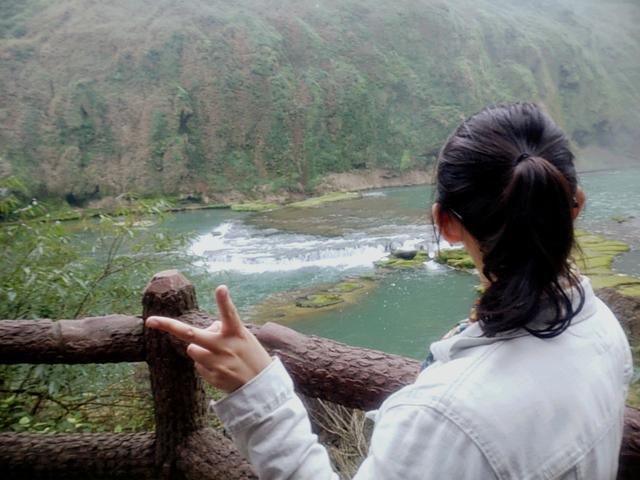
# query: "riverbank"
373 179
333 187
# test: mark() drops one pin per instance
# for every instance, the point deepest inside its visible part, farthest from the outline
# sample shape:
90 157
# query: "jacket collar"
472 336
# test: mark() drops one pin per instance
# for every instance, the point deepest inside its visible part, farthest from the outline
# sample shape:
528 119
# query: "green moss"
456 258
295 305
589 241
321 200
599 262
209 206
254 207
630 290
345 287
595 261
614 281
611 247
401 264
318 300
597 255
369 278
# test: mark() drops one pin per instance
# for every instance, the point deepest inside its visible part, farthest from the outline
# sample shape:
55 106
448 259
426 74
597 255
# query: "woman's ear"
581 199
450 227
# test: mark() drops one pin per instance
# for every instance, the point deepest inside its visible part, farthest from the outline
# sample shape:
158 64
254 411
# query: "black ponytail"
507 173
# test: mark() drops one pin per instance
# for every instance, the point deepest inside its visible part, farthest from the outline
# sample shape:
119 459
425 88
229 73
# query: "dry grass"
345 432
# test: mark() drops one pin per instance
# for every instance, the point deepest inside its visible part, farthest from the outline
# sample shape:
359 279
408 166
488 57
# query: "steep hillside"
164 97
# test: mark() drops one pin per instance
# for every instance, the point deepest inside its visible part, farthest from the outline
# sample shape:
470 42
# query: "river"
259 255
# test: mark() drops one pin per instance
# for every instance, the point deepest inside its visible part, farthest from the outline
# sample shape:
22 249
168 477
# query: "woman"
533 387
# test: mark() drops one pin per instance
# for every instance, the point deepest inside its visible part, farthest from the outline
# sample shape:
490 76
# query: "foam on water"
374 194
235 246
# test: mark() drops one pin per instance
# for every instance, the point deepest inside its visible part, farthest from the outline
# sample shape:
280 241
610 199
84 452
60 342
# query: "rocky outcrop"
627 310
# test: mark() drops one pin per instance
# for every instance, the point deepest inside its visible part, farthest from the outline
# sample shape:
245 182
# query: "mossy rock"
290 306
318 300
456 258
584 237
630 290
596 259
254 207
612 247
370 277
614 281
405 254
399 263
633 397
346 287
590 242
321 200
590 272
596 262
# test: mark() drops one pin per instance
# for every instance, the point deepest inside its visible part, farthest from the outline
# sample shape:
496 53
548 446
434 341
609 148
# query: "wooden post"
207 455
322 368
178 391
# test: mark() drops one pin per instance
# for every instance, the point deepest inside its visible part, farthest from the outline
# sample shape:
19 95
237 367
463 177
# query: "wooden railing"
182 446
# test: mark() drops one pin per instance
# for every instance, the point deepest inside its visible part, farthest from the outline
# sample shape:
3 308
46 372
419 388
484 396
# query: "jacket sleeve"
271 428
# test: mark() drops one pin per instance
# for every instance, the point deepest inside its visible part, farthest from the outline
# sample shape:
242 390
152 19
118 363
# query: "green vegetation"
254 207
241 97
321 200
318 300
400 263
595 259
91 267
297 304
456 258
346 287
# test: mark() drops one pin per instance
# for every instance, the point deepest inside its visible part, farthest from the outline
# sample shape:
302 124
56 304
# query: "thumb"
231 322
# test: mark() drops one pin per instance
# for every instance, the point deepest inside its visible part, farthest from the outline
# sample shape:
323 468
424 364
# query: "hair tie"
521 157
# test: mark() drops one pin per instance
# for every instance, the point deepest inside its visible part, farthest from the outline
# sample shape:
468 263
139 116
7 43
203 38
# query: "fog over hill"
165 97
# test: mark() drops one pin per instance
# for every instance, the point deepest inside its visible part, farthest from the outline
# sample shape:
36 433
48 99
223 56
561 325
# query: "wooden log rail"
182 447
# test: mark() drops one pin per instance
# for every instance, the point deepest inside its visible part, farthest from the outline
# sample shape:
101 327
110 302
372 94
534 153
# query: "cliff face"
163 97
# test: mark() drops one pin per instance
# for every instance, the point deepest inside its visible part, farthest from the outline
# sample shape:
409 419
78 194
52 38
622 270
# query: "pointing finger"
183 331
231 322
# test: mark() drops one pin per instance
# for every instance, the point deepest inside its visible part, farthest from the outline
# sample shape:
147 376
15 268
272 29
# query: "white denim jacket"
509 407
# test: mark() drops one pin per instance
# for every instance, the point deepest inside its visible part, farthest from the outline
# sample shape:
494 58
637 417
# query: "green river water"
259 255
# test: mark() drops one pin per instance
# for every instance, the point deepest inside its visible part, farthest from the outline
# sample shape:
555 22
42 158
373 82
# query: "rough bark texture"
322 368
178 392
81 456
208 455
114 338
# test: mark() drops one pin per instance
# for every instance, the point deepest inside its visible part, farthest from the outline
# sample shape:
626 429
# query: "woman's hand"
226 354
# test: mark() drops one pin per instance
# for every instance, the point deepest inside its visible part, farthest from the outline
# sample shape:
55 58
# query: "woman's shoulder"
502 394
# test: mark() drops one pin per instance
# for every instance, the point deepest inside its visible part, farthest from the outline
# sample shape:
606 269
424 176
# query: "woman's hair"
507 174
